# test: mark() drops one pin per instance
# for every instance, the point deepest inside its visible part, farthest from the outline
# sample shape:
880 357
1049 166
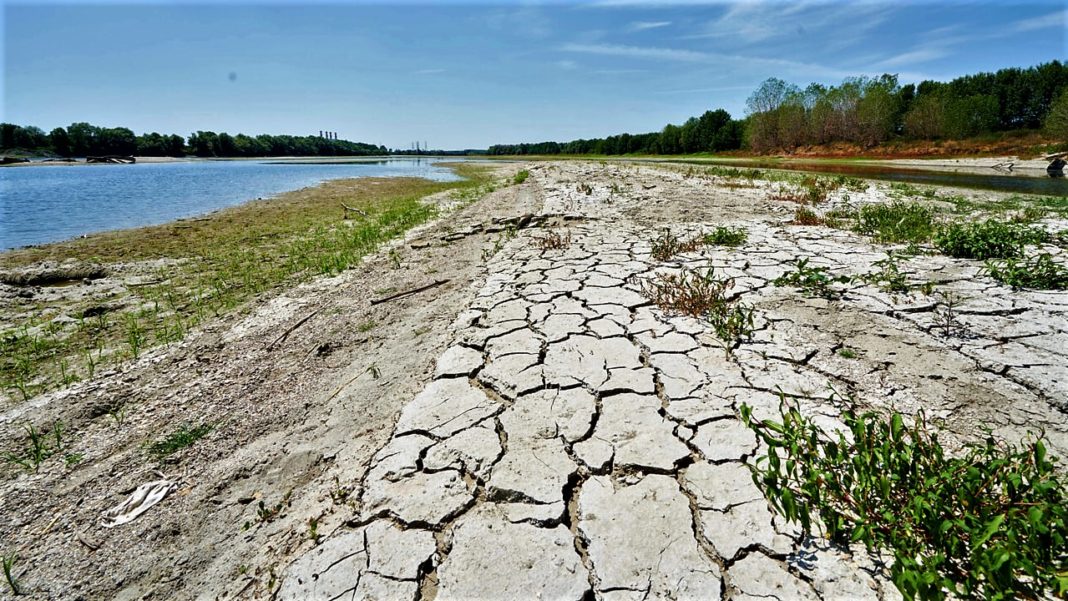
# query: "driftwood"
1055 155
391 297
347 209
111 158
292 328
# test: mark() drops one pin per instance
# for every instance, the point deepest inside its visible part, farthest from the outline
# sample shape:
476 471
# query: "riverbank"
75 307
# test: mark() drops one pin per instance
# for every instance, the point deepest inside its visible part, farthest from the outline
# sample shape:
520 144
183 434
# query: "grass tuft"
896 222
178 440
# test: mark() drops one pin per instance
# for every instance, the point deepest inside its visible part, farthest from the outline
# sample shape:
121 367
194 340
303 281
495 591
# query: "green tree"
1056 124
60 141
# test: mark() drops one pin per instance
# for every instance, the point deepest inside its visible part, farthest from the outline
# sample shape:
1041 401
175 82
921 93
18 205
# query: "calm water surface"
52 203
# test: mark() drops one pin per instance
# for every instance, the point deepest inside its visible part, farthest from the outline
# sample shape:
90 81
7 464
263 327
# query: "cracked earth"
576 442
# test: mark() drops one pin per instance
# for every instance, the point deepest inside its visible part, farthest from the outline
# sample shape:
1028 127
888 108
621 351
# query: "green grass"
226 260
179 439
814 281
847 353
520 177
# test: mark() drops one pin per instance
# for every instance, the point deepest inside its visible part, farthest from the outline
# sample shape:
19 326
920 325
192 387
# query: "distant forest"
83 139
863 111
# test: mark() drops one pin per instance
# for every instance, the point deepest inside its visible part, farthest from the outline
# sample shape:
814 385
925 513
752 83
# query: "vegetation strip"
209 267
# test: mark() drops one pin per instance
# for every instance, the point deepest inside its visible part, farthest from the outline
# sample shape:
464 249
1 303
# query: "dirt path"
577 442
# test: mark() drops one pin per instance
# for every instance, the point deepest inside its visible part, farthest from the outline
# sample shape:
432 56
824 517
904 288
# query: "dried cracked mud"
533 428
576 442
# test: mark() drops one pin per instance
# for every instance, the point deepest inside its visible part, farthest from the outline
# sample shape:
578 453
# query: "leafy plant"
178 440
990 522
726 236
704 296
889 277
1039 272
896 222
520 177
847 353
667 245
946 314
990 239
815 281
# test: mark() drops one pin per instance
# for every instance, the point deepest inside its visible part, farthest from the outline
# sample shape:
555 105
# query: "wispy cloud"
647 25
920 55
706 90
567 65
1055 19
428 71
695 56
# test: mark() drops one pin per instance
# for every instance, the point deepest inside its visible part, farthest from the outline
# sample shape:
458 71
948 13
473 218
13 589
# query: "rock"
458 361
720 486
641 437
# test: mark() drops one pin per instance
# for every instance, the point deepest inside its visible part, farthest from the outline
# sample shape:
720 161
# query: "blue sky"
462 75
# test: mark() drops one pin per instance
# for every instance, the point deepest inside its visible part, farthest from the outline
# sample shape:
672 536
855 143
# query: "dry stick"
408 292
290 330
347 208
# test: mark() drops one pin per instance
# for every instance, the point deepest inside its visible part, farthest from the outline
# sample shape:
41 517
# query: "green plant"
135 335
815 281
73 459
945 316
990 239
889 278
1039 272
8 563
847 353
313 530
366 326
181 438
988 522
726 236
38 448
704 296
520 177
896 222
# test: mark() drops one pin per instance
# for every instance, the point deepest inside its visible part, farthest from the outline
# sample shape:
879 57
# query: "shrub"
896 222
806 216
990 239
1039 272
990 522
520 177
668 245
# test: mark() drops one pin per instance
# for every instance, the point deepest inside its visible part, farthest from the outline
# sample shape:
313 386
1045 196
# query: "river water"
41 204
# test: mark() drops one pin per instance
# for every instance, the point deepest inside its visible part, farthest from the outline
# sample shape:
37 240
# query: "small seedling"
814 281
313 530
366 326
394 258
847 353
667 245
806 216
8 560
339 494
946 314
178 440
373 370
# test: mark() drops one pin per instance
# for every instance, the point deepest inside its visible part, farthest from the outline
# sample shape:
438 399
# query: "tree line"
869 111
83 139
866 111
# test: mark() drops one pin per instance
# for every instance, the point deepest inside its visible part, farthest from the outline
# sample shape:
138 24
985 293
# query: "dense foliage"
83 139
989 522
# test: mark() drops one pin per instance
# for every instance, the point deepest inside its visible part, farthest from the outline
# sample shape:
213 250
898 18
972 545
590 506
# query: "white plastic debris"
139 501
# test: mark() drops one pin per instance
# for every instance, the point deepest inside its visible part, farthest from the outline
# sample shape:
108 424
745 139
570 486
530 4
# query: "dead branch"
347 209
293 327
408 292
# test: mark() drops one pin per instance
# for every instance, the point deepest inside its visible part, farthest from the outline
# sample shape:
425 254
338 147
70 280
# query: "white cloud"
1055 19
567 65
645 52
920 55
646 25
